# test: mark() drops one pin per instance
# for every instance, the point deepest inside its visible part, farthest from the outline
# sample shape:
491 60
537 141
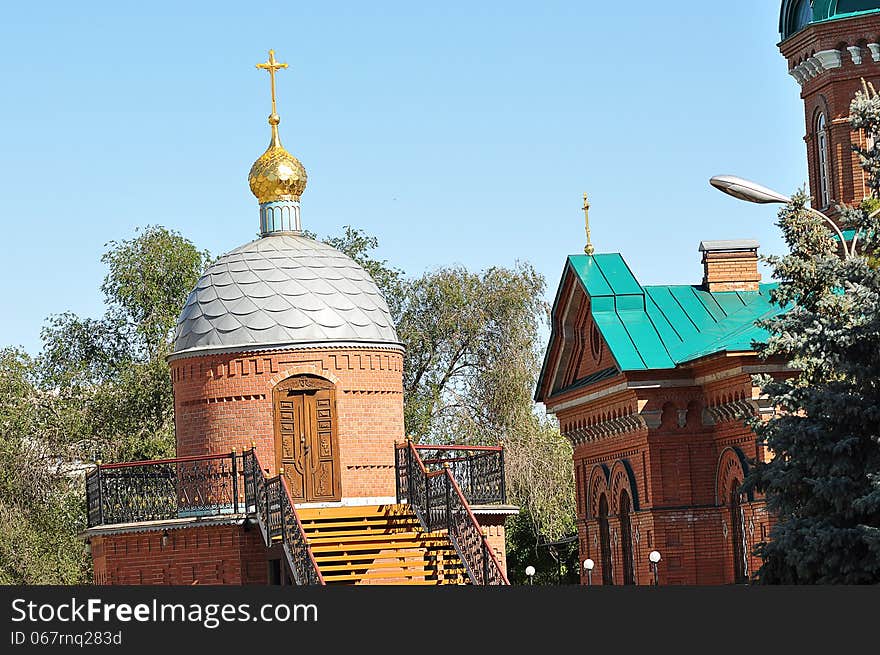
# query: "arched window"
605 542
800 13
822 158
738 533
626 538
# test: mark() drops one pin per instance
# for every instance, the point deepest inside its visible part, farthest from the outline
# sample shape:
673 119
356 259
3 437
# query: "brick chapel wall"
220 554
224 401
675 464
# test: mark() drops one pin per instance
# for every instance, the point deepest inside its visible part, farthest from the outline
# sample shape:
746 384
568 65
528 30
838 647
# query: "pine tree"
823 481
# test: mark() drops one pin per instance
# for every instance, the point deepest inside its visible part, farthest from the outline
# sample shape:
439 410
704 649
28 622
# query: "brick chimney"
730 265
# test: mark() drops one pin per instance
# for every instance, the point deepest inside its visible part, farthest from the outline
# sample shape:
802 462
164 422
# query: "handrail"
457 447
277 517
170 460
438 502
301 531
487 548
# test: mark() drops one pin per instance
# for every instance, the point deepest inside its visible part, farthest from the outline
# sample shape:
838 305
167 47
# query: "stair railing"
269 499
438 503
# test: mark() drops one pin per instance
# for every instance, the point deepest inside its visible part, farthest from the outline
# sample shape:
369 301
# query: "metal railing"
163 489
478 470
439 503
213 485
276 515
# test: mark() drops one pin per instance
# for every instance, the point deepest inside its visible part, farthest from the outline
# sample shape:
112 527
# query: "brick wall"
219 554
225 401
677 469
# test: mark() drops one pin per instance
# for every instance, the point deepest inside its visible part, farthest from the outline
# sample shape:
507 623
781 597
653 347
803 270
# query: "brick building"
291 460
652 383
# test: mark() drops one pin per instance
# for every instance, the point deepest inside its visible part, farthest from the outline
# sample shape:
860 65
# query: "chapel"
292 464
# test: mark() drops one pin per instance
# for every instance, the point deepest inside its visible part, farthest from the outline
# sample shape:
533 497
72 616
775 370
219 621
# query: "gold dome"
277 175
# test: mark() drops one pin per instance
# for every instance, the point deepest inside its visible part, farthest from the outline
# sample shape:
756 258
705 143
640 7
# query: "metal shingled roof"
657 327
283 291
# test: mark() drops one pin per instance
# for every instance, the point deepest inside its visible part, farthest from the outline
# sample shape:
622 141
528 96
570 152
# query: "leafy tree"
101 388
111 372
823 482
40 491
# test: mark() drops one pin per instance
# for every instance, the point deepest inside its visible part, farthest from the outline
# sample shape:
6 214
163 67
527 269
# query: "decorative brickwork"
224 401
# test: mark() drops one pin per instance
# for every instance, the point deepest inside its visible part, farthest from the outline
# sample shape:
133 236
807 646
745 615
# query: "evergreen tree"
823 482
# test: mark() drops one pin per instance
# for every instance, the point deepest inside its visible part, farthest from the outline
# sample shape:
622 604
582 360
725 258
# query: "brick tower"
831 45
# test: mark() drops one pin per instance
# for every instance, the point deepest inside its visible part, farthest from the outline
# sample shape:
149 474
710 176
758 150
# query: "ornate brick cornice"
606 429
736 410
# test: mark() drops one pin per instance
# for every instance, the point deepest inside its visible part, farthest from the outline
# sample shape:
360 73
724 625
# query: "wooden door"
306 442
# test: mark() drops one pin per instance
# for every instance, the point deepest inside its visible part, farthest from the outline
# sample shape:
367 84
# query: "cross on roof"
272 66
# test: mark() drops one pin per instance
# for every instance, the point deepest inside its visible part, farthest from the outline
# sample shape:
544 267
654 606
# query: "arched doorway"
626 538
306 441
605 542
737 533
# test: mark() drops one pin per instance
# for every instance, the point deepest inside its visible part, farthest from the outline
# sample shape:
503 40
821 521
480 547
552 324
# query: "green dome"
797 14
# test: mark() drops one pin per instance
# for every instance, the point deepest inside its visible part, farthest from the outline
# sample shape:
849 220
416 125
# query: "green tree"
110 373
41 492
101 388
823 482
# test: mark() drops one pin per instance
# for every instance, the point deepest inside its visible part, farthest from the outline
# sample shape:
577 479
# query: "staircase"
379 544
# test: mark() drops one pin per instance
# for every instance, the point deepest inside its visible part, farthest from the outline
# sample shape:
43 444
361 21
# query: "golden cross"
272 66
589 247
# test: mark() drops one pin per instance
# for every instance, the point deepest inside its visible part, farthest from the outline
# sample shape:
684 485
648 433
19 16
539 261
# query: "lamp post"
754 192
654 558
588 567
530 571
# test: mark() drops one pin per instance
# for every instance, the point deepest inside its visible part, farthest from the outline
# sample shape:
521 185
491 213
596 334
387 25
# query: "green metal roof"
660 327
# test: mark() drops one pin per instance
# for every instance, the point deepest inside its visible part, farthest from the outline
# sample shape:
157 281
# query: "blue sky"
454 133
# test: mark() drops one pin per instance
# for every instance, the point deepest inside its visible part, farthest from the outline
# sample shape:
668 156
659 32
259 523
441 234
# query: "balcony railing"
189 487
478 470
163 489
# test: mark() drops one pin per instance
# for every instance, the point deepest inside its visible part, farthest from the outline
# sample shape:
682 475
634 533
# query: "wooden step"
408 583
379 528
352 511
397 566
412 554
359 522
385 544
392 577
408 535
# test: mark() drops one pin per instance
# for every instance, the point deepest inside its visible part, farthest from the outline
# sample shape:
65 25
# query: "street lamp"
654 558
588 567
754 192
530 571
